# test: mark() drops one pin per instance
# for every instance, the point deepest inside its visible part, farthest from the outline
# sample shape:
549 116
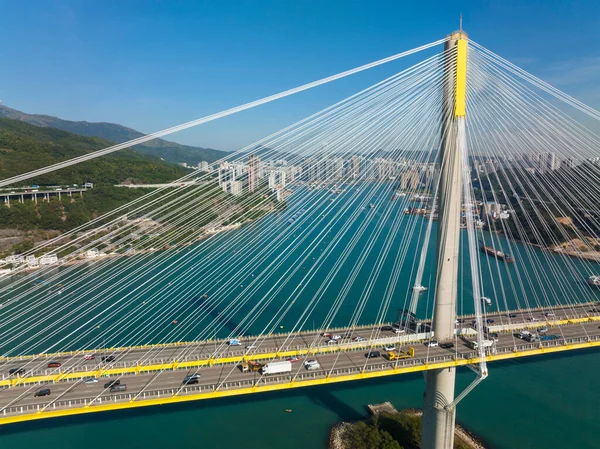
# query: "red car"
54 365
89 357
292 359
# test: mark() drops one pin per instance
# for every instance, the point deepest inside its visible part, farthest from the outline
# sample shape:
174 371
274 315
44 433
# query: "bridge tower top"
459 40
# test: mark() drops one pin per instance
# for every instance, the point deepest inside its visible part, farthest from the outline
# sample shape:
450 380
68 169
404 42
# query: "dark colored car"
112 383
372 354
42 392
489 321
108 358
54 365
387 328
446 345
512 315
191 380
17 371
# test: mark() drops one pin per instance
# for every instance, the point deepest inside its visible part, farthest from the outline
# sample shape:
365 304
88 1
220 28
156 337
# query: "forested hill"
25 147
169 151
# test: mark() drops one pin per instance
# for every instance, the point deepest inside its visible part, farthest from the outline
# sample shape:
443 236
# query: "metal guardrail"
402 363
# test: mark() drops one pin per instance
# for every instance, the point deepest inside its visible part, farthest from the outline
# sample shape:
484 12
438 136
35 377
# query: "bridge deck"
157 379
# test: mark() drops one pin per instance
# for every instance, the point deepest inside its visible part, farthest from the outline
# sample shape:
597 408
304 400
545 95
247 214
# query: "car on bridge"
112 383
233 342
191 379
90 380
42 392
118 388
432 343
389 348
312 364
358 338
387 328
372 354
512 315
89 357
54 365
108 358
447 345
293 359
16 371
489 321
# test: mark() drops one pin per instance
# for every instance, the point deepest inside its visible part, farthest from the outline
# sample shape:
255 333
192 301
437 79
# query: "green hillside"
169 151
25 147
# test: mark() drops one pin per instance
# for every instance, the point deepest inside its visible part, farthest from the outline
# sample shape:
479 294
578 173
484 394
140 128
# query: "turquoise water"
549 402
539 403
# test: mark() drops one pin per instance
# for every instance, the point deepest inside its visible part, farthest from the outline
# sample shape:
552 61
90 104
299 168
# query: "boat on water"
497 253
486 301
594 280
371 206
419 288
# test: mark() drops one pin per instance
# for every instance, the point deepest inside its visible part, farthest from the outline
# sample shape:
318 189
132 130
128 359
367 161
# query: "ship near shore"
594 281
497 253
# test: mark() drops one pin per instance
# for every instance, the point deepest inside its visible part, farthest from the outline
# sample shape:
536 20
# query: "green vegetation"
170 151
24 147
389 431
370 436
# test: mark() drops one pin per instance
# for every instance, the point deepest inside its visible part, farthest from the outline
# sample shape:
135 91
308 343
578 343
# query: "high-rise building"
233 187
409 180
226 173
253 168
549 162
355 167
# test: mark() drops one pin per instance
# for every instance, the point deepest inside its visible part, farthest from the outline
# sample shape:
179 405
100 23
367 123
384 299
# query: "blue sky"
153 64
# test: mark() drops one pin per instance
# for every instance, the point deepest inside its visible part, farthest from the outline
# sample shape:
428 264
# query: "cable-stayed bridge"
456 199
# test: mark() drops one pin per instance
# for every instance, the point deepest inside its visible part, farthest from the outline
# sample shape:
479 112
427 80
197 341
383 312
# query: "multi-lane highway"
155 374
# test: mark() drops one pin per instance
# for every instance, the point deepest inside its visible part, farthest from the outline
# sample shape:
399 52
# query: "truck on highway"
280 367
485 343
397 355
250 365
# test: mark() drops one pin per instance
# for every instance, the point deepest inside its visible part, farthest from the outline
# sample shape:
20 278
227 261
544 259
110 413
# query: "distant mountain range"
169 151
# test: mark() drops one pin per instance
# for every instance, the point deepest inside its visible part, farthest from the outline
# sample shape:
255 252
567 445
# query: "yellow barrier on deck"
288 385
136 369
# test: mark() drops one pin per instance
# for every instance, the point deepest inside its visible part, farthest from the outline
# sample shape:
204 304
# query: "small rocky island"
388 428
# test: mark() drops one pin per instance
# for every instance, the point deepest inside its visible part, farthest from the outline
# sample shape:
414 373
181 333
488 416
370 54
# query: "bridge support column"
439 422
